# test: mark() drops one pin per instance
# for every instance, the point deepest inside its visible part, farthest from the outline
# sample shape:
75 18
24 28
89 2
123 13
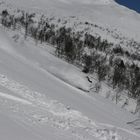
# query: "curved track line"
17 99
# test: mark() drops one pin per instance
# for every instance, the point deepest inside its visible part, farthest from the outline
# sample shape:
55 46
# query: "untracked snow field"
45 98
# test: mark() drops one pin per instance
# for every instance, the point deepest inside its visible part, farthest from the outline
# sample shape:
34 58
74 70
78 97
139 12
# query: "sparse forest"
110 62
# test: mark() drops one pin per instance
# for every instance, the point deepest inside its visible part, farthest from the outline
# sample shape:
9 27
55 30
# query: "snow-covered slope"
38 98
86 1
31 96
105 13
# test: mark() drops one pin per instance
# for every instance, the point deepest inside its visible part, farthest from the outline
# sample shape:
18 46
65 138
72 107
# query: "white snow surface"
41 96
38 103
104 13
4 95
86 1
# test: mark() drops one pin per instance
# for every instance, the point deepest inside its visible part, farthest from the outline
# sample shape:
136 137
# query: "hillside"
40 102
44 95
105 13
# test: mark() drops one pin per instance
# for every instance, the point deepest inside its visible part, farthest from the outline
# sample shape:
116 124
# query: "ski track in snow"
14 98
43 110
